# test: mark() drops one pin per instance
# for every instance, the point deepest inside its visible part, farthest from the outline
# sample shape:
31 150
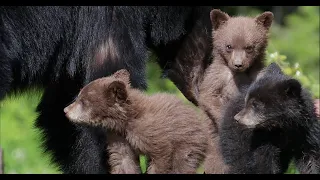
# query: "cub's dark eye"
229 48
84 102
254 104
249 49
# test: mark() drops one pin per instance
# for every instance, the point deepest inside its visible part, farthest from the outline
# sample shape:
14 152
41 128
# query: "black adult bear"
63 48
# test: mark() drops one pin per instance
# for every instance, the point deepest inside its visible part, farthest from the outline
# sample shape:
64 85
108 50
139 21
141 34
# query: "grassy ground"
19 140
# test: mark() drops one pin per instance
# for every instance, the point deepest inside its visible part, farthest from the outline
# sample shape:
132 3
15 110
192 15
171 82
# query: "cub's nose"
238 65
65 110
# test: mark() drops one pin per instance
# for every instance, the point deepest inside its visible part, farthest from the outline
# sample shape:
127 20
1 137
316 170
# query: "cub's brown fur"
173 135
122 158
239 45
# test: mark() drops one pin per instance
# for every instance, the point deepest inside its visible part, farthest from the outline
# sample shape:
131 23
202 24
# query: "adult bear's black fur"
268 125
63 48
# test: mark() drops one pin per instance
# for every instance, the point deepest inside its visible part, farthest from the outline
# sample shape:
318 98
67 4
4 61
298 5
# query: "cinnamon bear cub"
274 122
239 45
122 158
173 135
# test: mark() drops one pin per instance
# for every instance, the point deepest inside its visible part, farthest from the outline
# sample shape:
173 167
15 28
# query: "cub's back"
169 115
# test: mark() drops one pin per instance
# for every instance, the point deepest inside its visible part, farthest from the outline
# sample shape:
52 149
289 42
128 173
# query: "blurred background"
294 44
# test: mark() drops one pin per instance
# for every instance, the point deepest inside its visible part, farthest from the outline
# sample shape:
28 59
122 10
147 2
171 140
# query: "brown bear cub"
239 45
173 135
122 158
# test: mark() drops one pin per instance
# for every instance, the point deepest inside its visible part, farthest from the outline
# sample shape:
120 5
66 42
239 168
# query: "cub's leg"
122 158
187 159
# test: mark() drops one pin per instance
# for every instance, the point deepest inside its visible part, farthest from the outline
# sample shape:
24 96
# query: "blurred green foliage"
19 139
295 70
295 47
299 41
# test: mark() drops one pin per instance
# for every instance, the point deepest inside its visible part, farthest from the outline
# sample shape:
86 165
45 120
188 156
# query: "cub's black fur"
269 125
63 48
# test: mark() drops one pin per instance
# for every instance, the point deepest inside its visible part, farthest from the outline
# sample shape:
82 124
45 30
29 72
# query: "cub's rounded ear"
265 19
274 68
122 74
116 91
291 88
217 18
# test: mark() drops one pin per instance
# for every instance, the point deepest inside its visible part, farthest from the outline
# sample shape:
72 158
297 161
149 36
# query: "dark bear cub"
173 135
239 45
274 122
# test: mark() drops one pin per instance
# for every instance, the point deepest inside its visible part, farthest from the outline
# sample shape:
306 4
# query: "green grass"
19 140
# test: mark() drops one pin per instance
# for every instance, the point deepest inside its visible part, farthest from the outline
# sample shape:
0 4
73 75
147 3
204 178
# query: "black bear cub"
269 125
